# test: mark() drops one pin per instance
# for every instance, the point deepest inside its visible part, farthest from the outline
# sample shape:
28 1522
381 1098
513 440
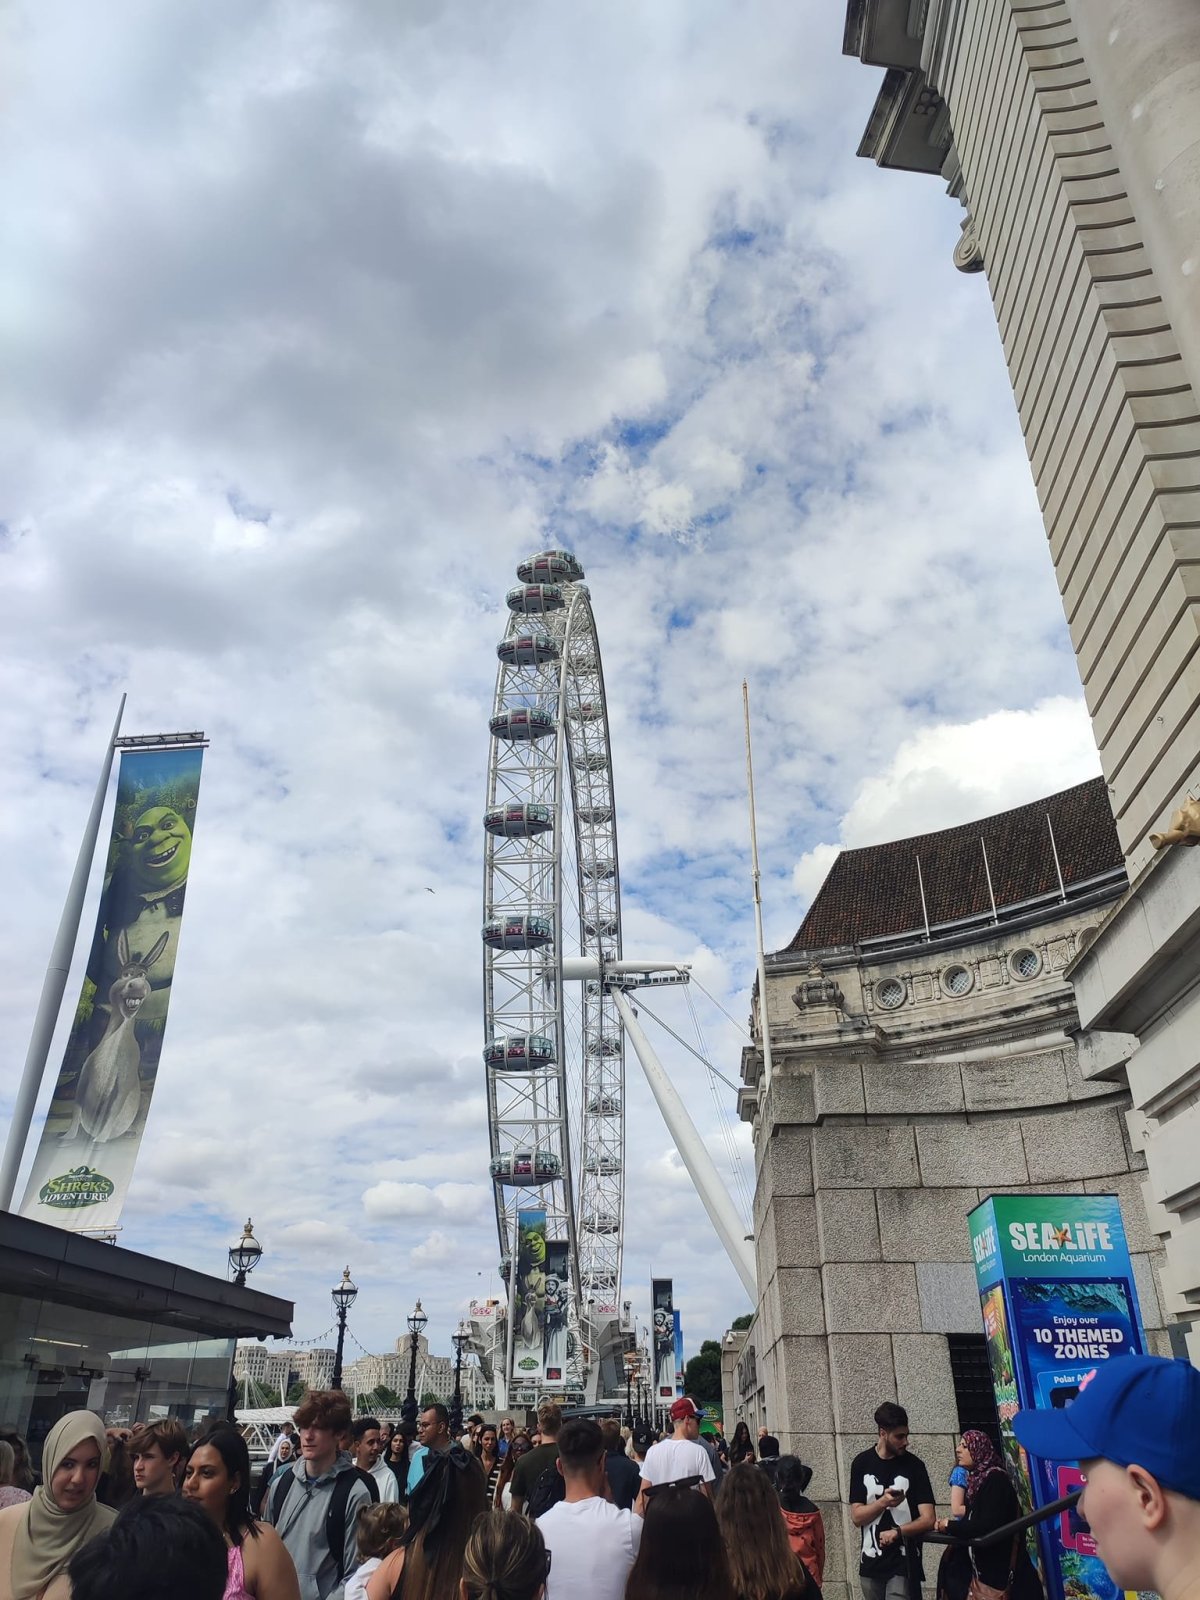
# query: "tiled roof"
874 892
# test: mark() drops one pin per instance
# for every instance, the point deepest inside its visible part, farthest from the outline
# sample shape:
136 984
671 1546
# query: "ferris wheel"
553 1051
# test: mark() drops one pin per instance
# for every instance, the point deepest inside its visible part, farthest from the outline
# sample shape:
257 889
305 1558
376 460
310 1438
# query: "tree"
296 1393
743 1321
702 1375
429 1399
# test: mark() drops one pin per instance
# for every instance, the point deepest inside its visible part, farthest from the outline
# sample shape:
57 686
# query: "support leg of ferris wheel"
723 1214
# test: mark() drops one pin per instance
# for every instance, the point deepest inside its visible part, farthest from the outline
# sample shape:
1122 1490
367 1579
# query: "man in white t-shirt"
592 1544
682 1455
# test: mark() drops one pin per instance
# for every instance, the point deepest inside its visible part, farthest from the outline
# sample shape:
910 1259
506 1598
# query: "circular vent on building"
956 980
1025 963
890 993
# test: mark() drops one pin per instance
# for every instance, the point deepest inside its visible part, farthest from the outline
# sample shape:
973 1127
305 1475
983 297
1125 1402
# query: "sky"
317 318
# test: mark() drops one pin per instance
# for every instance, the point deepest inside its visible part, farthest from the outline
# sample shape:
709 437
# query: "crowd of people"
347 1509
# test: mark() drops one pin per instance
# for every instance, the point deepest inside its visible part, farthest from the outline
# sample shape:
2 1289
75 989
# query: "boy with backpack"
314 1507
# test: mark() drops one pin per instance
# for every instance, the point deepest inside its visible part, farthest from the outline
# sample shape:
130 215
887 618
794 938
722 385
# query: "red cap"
684 1407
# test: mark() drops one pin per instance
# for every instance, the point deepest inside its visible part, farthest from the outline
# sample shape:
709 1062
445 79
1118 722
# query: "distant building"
270 1368
922 1029
435 1375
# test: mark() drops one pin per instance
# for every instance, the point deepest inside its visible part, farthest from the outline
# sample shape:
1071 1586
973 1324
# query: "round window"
890 993
956 980
1025 963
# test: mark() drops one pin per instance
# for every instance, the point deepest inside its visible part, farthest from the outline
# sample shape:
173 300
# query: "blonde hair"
380 1529
505 1558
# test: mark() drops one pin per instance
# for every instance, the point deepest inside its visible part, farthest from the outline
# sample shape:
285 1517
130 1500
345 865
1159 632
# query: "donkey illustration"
108 1094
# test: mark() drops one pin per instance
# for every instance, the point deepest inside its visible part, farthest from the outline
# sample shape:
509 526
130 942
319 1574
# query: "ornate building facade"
924 1033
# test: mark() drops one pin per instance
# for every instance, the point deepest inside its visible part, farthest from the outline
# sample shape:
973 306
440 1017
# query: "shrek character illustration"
532 1286
556 1321
145 901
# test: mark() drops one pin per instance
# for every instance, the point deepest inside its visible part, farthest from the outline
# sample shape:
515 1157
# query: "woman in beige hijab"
37 1539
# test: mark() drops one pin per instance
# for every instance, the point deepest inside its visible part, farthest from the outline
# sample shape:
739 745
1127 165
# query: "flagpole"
764 1023
54 984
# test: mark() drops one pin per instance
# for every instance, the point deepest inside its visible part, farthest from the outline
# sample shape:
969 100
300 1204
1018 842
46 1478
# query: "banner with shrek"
529 1310
662 1318
97 1114
558 1286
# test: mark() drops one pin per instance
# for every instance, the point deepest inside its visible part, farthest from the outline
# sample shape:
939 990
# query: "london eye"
553 1051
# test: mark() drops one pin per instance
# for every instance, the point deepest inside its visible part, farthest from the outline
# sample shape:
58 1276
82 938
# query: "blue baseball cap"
1142 1410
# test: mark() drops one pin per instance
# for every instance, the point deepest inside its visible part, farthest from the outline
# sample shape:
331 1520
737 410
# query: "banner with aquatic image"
1058 1300
85 1160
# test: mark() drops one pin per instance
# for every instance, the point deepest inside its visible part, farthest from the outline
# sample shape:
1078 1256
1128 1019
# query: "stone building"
435 1375
1069 131
272 1369
923 1035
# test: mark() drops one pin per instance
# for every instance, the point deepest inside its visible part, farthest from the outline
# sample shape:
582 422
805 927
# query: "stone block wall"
871 1148
886 1275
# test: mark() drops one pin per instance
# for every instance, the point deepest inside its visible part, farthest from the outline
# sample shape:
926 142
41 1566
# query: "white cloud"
952 773
313 325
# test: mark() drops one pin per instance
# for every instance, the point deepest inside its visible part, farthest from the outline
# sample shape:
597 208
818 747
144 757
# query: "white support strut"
700 1165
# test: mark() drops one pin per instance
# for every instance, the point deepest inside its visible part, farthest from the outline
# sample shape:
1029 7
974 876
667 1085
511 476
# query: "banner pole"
54 984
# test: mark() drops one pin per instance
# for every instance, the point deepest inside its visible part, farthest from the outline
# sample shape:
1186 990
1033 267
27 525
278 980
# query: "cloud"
314 325
463 1201
952 773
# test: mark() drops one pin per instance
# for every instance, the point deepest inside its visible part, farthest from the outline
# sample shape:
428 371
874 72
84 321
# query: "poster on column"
1058 1300
529 1327
662 1316
97 1114
557 1285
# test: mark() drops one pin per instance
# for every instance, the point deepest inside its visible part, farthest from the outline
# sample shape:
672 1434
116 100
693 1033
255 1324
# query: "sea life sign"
97 1114
1058 1300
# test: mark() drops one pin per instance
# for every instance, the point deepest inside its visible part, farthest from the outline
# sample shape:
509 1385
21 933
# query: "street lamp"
460 1338
416 1327
631 1363
344 1297
244 1256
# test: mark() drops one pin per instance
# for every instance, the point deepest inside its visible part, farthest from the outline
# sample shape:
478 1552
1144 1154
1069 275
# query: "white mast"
54 984
764 1026
700 1165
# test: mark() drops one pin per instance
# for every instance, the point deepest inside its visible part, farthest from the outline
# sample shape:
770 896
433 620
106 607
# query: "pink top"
235 1583
10 1496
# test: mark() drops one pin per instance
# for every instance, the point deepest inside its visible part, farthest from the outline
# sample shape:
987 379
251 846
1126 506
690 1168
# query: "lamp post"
245 1255
344 1297
631 1362
416 1327
460 1337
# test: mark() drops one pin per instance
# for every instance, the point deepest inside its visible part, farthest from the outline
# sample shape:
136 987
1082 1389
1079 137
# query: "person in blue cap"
1135 1432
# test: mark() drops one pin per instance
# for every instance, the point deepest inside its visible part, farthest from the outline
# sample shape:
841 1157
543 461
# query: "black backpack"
335 1515
549 1489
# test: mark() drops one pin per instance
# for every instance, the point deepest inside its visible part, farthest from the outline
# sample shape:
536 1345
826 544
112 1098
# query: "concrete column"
1144 63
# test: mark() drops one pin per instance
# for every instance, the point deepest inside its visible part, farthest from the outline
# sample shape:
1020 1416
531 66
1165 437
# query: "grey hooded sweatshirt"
301 1526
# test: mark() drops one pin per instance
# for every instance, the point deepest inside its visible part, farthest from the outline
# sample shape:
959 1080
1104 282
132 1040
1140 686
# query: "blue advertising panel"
1058 1299
678 1353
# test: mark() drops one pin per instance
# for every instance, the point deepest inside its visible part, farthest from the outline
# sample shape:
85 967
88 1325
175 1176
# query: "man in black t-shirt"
891 1503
